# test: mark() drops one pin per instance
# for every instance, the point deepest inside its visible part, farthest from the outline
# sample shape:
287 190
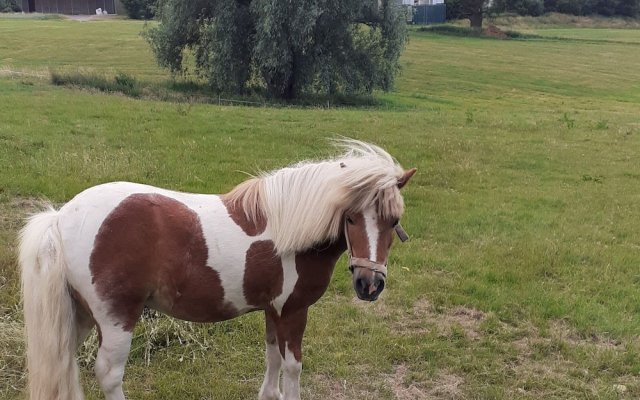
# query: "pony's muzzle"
367 284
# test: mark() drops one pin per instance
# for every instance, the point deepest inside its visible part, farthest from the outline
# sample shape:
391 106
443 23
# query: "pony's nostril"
380 286
361 285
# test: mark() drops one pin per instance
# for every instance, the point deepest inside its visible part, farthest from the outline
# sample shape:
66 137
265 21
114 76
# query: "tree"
287 47
473 10
628 8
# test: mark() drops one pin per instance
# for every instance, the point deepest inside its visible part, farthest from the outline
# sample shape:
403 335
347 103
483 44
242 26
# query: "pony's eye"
349 221
396 222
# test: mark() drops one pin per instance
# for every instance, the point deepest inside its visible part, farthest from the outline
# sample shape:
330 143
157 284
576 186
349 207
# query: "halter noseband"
375 267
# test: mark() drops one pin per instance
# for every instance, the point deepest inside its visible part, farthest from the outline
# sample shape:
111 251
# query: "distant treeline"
608 8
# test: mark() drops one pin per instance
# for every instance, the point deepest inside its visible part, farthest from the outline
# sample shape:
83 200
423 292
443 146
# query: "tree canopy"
287 47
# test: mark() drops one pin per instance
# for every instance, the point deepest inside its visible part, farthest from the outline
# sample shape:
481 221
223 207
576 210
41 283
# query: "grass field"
520 280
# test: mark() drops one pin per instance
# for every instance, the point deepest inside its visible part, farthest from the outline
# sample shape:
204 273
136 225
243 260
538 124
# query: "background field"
521 277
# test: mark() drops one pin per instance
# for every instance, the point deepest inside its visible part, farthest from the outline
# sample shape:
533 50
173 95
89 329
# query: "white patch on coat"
290 277
228 246
270 389
291 370
371 226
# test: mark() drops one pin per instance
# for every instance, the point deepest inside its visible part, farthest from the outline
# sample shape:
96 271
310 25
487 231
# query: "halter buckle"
402 235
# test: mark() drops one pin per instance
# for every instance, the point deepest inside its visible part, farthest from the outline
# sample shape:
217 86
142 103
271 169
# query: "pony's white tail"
49 312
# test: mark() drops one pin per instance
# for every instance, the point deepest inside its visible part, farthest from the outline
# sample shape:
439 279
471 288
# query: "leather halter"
376 267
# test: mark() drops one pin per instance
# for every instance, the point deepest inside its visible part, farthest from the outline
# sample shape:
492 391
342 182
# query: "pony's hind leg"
111 360
84 319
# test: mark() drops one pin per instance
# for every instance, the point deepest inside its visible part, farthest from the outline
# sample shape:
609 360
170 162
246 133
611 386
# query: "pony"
270 244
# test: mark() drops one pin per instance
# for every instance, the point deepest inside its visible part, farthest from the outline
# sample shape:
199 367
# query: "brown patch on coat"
290 330
239 216
358 239
385 239
151 250
271 330
263 276
315 267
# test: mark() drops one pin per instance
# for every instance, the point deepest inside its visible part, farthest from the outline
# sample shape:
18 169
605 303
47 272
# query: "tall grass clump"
121 83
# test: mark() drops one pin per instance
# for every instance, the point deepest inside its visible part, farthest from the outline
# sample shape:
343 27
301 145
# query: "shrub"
140 9
628 8
527 7
10 6
570 6
520 7
122 83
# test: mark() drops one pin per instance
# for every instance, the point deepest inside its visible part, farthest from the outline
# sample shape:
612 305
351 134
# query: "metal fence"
429 14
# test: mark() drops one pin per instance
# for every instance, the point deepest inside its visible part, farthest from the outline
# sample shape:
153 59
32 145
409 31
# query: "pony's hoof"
272 395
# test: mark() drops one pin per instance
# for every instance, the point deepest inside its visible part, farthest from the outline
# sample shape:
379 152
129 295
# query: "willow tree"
288 47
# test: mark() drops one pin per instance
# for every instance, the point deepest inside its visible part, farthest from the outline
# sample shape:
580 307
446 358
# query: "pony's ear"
405 177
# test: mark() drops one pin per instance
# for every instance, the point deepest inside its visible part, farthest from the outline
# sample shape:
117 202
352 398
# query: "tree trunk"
476 21
291 89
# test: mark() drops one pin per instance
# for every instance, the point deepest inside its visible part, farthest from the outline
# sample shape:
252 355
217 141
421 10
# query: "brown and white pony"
270 244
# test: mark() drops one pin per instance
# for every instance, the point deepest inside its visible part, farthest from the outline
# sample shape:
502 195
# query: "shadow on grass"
186 91
489 33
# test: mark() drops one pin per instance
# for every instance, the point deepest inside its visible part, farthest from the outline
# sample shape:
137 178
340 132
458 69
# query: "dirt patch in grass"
424 318
446 386
400 389
468 318
328 387
560 330
14 212
545 366
494 32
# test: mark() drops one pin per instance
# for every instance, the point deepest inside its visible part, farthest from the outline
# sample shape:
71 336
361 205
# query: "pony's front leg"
290 330
270 389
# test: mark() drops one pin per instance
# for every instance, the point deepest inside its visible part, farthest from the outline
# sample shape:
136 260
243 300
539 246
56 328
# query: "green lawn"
520 280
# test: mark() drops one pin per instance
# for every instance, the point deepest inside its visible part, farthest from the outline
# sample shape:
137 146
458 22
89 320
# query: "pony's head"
355 195
369 233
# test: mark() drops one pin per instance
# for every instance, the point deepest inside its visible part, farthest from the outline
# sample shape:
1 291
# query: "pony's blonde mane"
304 203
